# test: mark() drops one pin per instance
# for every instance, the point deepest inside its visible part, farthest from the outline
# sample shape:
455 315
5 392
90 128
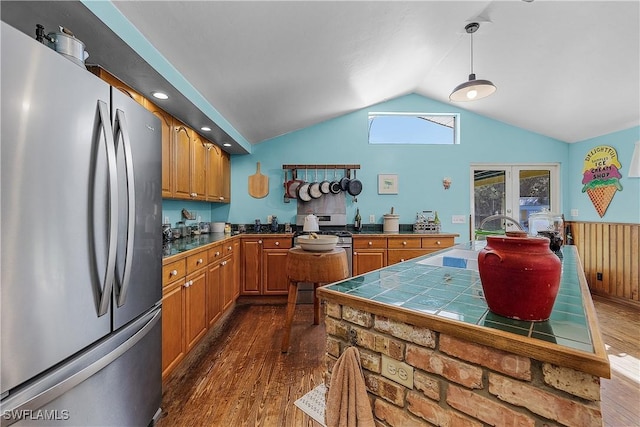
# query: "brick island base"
457 382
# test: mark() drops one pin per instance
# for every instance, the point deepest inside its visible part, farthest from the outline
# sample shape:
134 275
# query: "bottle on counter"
357 223
436 220
274 223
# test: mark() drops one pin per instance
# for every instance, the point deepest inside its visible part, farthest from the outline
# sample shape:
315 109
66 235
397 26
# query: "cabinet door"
213 174
167 147
195 307
274 271
182 161
214 300
172 326
225 177
236 269
365 261
251 257
226 274
198 167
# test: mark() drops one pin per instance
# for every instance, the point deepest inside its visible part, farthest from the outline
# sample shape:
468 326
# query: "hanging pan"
293 184
335 184
344 182
325 185
355 186
303 190
314 189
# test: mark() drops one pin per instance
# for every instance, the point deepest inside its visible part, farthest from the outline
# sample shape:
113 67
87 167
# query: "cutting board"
258 184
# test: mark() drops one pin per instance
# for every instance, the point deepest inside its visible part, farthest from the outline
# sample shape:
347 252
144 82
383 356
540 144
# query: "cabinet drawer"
227 248
436 242
398 255
172 272
370 243
215 253
197 261
277 243
404 242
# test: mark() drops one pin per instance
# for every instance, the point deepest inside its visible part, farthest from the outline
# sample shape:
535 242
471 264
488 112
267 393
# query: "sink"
457 258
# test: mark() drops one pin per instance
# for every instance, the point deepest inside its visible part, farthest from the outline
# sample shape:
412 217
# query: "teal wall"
420 169
625 205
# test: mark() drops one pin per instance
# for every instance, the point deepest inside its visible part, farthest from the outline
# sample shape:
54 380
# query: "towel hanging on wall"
347 402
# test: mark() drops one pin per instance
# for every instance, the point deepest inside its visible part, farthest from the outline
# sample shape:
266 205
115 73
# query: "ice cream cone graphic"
600 177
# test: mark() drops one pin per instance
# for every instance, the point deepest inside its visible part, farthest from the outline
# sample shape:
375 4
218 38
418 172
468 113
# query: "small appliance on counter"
427 222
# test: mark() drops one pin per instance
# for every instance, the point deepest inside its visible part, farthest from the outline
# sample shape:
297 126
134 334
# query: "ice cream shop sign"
601 176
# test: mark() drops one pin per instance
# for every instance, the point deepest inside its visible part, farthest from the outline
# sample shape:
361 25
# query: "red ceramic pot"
520 277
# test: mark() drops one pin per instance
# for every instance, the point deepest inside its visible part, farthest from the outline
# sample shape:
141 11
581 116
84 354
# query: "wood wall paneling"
614 251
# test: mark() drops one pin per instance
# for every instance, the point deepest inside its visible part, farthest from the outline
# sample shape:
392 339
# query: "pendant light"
472 89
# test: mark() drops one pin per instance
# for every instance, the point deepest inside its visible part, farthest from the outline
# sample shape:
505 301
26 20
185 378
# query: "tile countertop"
450 299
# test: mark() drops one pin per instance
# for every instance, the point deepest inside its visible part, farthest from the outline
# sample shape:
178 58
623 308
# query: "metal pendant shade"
473 89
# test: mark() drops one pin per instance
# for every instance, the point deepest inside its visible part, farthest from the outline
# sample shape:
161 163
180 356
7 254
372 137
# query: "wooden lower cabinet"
195 308
369 253
215 294
173 348
197 290
264 265
274 272
366 260
251 261
375 252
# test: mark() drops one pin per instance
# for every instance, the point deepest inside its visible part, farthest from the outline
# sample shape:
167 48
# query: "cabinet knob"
355 253
401 259
404 243
221 198
259 242
187 284
370 243
277 243
229 248
218 253
223 263
438 242
173 273
199 261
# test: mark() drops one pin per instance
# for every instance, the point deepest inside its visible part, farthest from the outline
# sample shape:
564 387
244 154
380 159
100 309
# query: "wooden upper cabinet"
166 121
225 178
218 175
181 167
190 170
198 167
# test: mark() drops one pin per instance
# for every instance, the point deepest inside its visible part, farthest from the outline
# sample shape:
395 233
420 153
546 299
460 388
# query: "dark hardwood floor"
238 377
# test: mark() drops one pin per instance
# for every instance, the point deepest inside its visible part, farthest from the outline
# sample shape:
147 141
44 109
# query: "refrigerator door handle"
46 395
105 297
121 129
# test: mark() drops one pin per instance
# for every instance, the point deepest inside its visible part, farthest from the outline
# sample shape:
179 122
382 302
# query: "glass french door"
504 196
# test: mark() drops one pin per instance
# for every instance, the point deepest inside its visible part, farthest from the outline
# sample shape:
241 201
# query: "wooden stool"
317 268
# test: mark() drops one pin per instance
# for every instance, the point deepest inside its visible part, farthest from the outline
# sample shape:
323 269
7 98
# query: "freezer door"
137 134
54 207
116 382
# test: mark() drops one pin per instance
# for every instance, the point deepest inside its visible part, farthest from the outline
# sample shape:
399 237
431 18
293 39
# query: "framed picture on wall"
387 184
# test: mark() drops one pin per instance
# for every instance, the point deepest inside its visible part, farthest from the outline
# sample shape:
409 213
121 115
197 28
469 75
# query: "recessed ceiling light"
226 144
205 128
160 95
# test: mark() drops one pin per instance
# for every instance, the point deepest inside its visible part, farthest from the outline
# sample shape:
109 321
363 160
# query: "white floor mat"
313 403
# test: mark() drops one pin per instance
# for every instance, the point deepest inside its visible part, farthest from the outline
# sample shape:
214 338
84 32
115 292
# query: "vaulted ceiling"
566 69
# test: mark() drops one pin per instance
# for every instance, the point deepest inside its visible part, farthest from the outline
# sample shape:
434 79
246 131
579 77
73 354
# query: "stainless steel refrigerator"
81 287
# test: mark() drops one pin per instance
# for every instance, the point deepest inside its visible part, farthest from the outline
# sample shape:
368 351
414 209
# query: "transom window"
414 128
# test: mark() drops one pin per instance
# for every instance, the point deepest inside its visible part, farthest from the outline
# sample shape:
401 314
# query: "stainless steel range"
331 211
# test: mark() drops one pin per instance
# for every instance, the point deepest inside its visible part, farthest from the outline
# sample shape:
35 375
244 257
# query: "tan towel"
347 401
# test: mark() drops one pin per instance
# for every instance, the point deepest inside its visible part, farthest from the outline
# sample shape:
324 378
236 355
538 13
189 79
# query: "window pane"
413 128
535 191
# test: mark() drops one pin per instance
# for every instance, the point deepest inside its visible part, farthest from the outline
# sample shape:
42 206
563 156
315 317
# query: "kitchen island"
432 352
